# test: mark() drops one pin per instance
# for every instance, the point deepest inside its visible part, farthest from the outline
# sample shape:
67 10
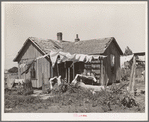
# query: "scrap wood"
80 77
120 87
94 88
129 102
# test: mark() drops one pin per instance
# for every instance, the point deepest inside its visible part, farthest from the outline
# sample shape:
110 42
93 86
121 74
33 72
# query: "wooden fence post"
68 74
101 72
57 69
132 76
73 70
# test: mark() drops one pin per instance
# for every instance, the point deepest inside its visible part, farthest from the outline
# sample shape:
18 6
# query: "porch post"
73 70
68 74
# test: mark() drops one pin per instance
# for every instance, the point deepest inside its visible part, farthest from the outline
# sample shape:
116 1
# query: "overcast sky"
125 22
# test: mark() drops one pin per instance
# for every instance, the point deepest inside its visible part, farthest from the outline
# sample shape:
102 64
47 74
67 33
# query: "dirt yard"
76 100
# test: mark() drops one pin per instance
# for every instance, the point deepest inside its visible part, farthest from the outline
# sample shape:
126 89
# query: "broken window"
33 72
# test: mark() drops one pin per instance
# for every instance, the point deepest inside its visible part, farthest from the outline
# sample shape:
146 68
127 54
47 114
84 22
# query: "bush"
13 70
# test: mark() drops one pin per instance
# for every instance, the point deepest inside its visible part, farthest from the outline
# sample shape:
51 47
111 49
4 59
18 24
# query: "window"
112 59
33 72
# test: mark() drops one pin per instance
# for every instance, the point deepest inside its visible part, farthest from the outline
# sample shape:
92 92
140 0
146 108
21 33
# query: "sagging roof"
44 45
92 46
47 44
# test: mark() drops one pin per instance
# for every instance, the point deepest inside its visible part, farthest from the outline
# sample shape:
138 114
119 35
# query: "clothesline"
60 57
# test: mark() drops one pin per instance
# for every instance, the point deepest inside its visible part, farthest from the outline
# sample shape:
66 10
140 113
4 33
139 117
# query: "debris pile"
25 88
77 92
128 102
59 89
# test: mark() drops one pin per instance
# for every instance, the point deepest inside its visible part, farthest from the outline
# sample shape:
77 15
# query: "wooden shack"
34 47
27 54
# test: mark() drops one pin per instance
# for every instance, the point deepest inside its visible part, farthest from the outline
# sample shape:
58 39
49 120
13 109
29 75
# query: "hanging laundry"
65 56
124 59
89 58
22 65
53 57
72 57
82 57
28 67
42 56
96 57
77 57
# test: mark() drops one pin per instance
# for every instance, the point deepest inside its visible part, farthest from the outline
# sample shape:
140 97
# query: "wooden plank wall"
96 68
107 63
41 66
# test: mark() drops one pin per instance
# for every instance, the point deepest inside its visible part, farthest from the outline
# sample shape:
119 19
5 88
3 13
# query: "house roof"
46 44
139 53
92 46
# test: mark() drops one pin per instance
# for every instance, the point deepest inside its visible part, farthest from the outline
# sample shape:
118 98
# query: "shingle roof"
82 47
92 46
46 45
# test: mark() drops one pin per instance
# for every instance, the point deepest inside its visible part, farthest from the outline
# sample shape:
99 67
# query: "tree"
13 70
128 51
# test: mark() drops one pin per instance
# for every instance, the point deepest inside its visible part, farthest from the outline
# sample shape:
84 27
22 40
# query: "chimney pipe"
59 36
77 38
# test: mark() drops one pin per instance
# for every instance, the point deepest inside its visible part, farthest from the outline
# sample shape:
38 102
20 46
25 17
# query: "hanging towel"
82 57
53 56
88 58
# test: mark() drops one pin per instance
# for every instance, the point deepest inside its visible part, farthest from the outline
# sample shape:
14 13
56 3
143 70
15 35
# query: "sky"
126 21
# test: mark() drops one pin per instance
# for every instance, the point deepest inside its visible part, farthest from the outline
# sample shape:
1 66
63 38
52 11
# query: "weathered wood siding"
112 49
29 53
96 69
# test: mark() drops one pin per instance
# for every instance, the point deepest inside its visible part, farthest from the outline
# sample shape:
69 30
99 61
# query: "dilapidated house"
104 69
